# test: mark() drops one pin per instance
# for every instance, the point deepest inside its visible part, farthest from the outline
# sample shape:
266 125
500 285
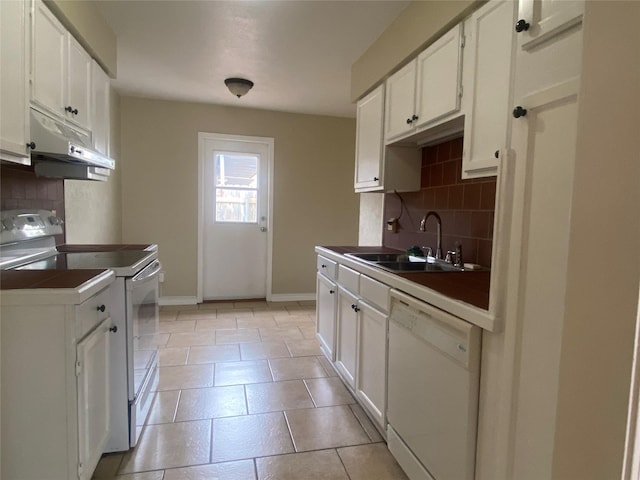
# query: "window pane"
236 205
236 170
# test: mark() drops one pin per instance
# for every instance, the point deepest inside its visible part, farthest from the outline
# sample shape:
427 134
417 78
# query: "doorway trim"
203 137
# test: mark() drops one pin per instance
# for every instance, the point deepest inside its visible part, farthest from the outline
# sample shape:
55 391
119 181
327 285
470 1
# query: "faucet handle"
451 257
428 251
458 262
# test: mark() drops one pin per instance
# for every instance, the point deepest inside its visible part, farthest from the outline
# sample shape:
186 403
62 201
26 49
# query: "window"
236 180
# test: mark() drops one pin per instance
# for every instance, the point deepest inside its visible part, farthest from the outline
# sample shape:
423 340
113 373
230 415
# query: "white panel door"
347 324
400 102
236 216
369 144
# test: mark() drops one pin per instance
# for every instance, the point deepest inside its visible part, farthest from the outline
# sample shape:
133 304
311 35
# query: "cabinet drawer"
348 278
327 267
92 311
374 292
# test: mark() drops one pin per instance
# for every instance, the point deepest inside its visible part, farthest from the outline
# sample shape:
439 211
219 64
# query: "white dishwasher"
433 383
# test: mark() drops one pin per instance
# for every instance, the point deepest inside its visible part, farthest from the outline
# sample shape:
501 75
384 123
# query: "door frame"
203 137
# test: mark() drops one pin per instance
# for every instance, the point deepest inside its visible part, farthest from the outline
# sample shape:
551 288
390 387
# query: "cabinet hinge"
460 91
78 368
463 41
79 470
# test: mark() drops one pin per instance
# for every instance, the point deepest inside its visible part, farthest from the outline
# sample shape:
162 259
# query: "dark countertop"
469 287
30 279
106 247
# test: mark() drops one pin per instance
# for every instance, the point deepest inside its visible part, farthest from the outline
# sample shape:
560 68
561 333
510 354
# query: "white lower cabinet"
55 387
352 326
346 351
371 379
327 293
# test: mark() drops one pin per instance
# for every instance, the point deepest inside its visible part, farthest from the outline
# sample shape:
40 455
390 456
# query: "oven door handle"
148 272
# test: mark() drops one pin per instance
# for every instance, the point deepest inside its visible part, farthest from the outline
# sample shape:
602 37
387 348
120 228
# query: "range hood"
62 152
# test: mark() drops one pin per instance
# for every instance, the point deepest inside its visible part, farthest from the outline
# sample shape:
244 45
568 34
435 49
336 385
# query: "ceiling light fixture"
238 86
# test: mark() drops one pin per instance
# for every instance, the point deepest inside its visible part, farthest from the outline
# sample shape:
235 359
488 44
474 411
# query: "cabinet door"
49 61
79 84
399 103
489 49
14 114
327 294
539 21
369 142
100 109
92 369
544 142
372 361
439 70
347 336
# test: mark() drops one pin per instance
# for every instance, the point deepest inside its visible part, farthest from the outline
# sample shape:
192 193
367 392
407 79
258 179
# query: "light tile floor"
245 394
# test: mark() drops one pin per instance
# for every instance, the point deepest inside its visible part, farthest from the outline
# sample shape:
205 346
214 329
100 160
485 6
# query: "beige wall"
604 262
314 202
86 24
93 210
417 26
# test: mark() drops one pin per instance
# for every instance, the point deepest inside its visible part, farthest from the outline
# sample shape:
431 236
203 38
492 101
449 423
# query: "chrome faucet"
423 224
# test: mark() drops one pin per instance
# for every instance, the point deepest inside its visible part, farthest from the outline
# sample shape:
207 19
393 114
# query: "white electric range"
27 244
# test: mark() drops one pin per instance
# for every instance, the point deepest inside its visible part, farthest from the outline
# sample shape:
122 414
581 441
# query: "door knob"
263 229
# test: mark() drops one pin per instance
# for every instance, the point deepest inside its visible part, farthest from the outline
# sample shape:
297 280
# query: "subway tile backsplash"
466 207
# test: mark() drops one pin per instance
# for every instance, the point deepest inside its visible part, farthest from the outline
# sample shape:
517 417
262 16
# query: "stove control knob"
7 224
53 220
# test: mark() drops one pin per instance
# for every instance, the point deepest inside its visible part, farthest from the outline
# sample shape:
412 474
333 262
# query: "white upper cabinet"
400 101
489 50
100 109
14 93
541 20
60 69
369 144
79 85
438 79
427 90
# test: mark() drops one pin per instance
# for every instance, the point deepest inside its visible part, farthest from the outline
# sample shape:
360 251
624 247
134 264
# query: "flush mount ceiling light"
238 86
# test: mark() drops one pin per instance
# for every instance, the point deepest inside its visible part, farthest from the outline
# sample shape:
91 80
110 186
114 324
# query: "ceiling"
298 52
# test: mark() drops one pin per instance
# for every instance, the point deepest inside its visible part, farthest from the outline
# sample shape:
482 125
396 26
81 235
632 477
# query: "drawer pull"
113 329
101 308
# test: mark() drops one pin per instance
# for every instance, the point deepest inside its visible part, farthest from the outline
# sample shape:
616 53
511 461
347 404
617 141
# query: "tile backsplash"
20 188
466 207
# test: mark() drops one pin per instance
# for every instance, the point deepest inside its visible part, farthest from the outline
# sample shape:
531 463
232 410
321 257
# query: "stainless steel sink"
380 257
400 262
417 267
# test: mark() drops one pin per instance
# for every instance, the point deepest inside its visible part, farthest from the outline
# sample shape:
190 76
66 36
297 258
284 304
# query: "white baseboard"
292 297
177 301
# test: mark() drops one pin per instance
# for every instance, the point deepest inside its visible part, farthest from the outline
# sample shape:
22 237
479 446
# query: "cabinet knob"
68 108
522 26
353 306
414 118
31 145
75 111
356 309
114 329
101 308
332 292
375 179
519 112
497 154
409 121
323 266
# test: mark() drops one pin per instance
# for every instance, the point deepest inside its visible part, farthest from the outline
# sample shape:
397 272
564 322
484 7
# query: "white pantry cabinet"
55 386
14 93
427 90
60 70
489 51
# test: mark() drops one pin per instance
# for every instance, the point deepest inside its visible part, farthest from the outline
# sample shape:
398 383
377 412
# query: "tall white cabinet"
14 93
